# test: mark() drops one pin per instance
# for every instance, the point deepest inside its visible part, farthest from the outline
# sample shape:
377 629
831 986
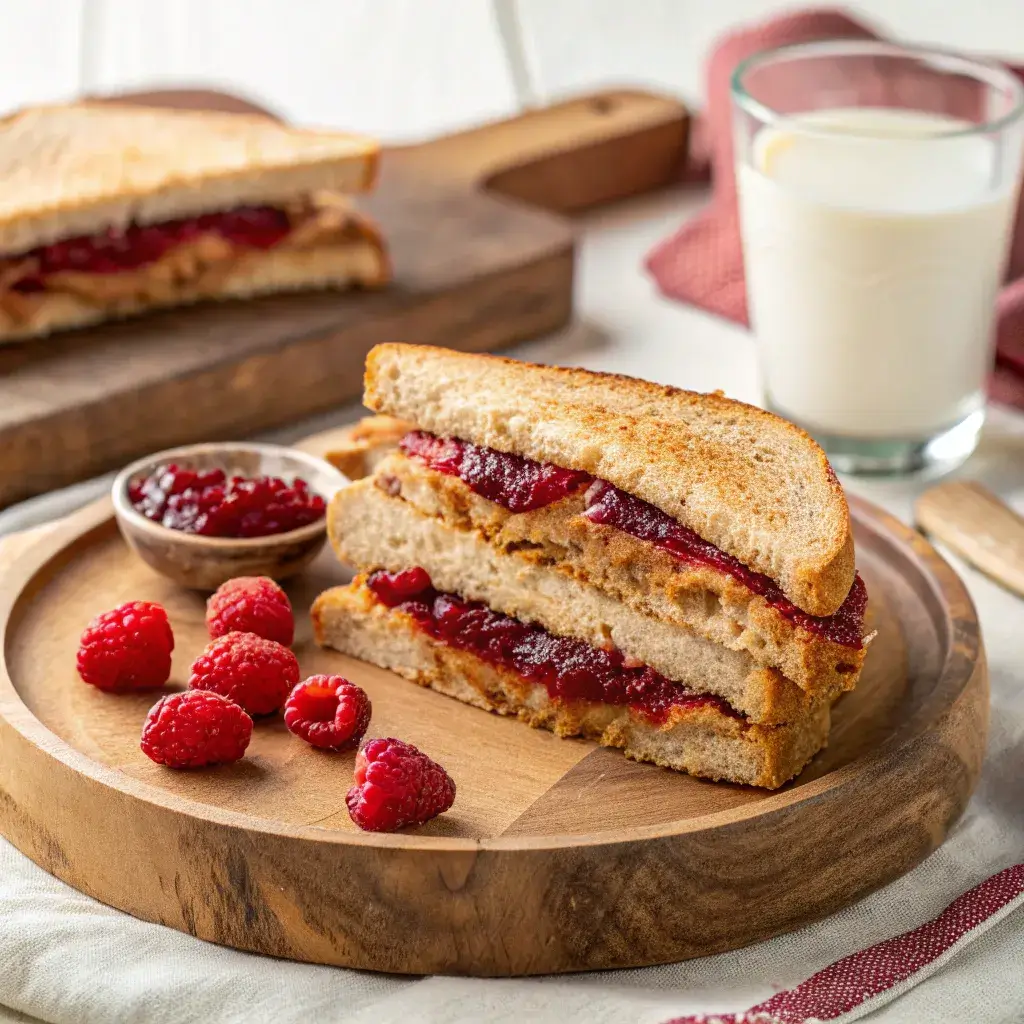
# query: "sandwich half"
110 211
465 650
700 544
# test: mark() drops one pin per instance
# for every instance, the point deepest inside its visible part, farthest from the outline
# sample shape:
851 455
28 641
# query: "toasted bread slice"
702 741
749 482
81 168
371 530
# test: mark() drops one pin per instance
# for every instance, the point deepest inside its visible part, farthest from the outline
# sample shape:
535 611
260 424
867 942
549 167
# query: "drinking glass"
877 189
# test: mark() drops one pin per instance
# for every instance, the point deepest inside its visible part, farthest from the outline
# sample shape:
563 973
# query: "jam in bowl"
203 514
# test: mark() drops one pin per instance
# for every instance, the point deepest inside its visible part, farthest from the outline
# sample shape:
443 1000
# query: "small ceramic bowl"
204 563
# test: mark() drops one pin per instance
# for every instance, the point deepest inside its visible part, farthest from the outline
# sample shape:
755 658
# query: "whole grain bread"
371 530
744 479
703 741
79 168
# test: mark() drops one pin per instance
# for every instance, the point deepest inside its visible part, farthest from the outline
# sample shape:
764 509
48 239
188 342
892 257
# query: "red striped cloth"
861 983
702 263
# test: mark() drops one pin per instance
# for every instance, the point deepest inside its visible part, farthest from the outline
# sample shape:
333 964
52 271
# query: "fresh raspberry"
256 674
128 648
328 711
396 785
188 730
251 604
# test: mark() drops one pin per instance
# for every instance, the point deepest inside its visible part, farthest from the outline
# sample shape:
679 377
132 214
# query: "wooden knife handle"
981 528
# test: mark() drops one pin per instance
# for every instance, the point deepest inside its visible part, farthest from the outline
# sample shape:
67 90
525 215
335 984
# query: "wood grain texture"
472 271
978 526
557 855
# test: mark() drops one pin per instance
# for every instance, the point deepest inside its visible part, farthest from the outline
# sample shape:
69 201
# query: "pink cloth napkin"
702 263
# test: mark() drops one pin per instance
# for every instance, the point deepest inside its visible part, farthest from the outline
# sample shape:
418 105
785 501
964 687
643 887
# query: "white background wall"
408 68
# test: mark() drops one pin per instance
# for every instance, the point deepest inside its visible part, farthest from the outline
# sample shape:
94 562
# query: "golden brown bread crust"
746 480
700 740
635 572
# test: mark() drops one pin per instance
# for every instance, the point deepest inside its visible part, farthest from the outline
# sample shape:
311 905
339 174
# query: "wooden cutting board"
557 856
477 266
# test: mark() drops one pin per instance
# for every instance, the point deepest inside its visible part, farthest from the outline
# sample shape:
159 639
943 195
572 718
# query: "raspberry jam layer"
611 507
568 669
115 250
522 485
518 484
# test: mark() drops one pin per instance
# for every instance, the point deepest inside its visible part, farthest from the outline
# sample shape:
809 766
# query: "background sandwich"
112 210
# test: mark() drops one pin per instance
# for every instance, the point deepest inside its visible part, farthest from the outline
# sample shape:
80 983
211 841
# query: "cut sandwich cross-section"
510 566
372 529
465 650
521 485
626 548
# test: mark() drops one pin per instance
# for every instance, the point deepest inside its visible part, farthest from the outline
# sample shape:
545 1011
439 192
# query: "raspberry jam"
611 507
210 503
568 669
522 485
116 250
518 484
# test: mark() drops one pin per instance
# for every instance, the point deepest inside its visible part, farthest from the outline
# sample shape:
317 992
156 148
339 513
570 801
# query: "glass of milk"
877 190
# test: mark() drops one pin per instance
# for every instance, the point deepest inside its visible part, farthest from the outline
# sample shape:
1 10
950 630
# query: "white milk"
872 268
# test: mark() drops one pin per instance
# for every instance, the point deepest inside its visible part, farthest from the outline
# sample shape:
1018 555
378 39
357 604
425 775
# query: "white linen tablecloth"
67 959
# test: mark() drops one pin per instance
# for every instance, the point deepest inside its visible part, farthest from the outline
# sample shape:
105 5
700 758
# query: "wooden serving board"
475 268
557 856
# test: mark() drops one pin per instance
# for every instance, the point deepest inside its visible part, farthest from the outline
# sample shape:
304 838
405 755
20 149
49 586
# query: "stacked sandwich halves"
662 571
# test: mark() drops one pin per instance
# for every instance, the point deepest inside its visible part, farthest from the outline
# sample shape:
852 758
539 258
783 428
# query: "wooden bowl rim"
962 657
125 513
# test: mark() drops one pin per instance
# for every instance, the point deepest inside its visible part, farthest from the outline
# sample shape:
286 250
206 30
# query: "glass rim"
989 72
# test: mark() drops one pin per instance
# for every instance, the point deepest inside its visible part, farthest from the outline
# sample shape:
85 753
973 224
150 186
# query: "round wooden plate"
557 856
